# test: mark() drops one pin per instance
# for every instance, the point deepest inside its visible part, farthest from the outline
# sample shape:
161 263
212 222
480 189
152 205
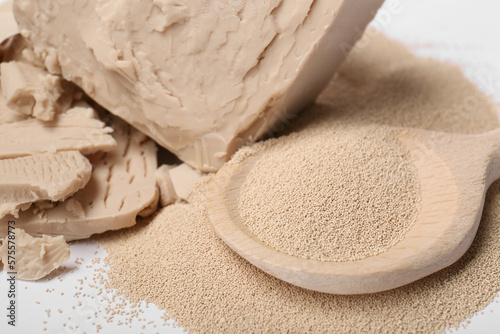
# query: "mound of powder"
384 83
176 261
338 193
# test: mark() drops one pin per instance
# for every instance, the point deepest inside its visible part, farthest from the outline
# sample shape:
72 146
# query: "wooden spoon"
454 172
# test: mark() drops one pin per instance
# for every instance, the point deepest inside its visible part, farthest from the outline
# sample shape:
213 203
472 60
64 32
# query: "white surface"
460 31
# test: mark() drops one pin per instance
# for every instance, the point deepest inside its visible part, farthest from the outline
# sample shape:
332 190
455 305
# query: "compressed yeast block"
122 186
201 78
44 176
34 258
76 129
32 91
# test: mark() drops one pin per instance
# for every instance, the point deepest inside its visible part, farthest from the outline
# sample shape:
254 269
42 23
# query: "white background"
461 31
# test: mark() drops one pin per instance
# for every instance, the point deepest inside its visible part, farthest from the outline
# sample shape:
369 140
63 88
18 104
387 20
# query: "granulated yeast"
338 193
177 262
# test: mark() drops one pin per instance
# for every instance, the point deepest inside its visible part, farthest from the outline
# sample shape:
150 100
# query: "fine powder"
176 261
338 193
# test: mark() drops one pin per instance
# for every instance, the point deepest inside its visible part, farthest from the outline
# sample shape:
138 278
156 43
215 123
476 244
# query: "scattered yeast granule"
176 261
338 193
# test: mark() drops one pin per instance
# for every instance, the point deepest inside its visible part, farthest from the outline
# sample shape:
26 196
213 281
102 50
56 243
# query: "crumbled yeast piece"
122 186
183 179
16 48
8 115
35 258
75 207
175 182
165 186
76 129
45 176
228 71
33 91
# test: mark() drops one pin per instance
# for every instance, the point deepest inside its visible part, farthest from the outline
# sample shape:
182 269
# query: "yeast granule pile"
176 261
337 192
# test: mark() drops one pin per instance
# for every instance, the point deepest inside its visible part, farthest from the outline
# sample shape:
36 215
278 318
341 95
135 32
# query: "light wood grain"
454 172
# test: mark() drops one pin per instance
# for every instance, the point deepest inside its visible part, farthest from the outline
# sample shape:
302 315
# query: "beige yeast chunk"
45 176
228 71
33 91
184 177
122 186
165 186
35 258
76 129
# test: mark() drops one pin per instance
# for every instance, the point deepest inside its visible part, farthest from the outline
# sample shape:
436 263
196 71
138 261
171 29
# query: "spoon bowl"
454 172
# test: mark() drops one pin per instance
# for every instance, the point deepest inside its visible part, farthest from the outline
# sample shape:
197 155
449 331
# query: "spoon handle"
490 144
